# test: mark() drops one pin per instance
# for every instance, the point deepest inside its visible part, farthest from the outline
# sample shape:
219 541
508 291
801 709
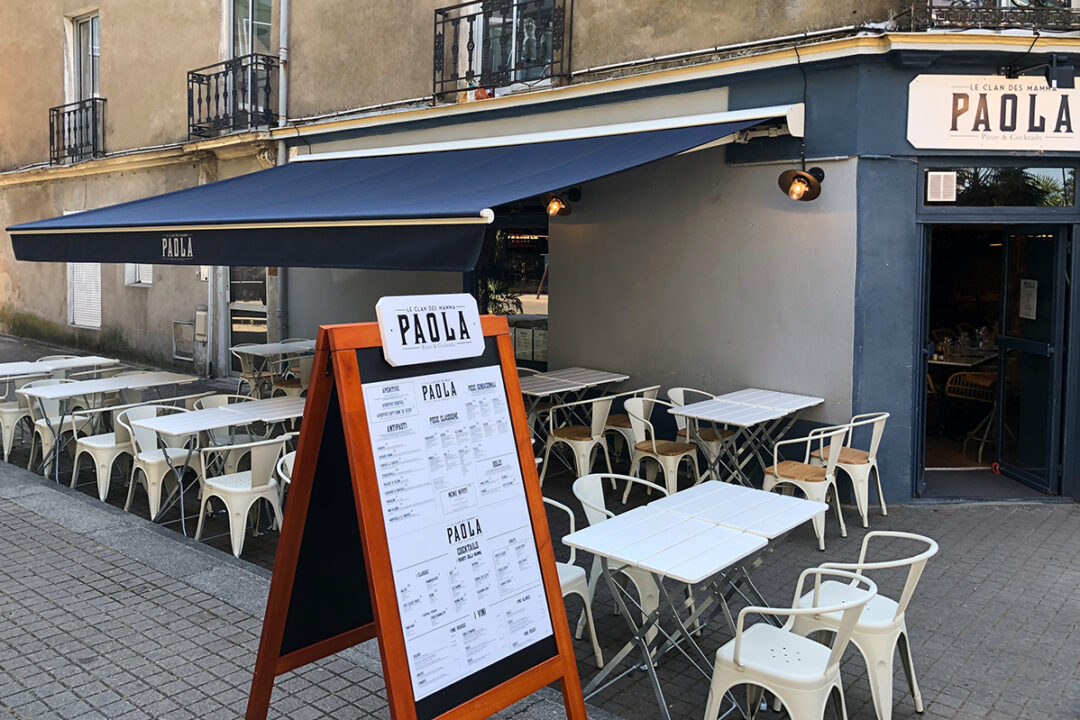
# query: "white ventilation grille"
941 186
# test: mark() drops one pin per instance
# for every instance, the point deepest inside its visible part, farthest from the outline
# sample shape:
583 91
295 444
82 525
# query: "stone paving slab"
107 616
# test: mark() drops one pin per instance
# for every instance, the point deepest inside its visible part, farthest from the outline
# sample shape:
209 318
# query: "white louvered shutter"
84 294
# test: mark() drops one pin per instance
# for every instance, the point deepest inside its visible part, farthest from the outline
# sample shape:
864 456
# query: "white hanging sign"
971 112
1029 293
429 328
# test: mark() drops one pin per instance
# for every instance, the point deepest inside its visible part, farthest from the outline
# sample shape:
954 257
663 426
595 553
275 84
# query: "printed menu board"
462 551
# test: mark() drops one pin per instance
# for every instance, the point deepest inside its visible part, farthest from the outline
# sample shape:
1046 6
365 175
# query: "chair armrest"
569 513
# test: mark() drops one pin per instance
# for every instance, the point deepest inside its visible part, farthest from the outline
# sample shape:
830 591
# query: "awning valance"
412 210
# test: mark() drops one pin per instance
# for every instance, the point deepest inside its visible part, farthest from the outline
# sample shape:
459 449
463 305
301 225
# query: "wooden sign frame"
333 584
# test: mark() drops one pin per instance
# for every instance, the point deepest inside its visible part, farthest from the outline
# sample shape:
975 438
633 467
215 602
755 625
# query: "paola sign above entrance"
969 112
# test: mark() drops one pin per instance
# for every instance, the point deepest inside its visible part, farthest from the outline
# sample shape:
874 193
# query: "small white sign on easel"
429 328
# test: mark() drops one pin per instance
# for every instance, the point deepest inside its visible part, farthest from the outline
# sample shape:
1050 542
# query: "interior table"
963 361
177 426
92 391
265 352
761 417
688 538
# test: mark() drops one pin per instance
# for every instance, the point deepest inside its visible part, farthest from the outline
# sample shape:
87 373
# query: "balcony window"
235 95
497 46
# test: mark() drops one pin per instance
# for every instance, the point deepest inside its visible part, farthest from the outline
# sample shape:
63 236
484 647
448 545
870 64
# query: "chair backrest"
264 456
914 563
47 358
142 438
589 490
876 421
247 362
570 513
851 607
680 396
640 411
833 436
306 362
294 340
51 407
220 400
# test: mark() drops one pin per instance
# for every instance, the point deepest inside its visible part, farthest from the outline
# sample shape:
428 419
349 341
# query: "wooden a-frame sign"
334 584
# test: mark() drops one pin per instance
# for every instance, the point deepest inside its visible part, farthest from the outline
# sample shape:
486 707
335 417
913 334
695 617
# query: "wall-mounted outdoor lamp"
802 184
559 203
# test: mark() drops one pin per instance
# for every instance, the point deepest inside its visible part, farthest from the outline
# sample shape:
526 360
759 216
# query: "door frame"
1068 230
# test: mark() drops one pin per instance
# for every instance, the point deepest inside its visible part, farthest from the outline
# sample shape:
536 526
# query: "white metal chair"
573 581
860 464
667 454
284 472
583 440
225 436
250 373
47 428
803 675
589 491
152 465
285 383
619 423
103 449
815 481
56 373
882 626
239 491
13 412
713 439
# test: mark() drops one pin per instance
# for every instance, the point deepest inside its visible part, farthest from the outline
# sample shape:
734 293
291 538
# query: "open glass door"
1028 407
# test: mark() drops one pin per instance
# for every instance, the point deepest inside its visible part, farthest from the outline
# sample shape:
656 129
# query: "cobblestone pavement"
106 615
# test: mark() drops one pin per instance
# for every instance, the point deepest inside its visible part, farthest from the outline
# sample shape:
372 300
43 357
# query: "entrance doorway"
995 319
247 308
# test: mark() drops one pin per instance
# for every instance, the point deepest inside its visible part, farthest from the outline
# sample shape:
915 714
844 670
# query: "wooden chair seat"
848 456
289 382
709 434
576 433
665 447
618 420
792 470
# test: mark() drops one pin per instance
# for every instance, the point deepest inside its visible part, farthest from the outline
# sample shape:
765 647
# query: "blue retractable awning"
419 211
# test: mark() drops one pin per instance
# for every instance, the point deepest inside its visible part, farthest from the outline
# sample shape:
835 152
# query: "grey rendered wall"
318 296
692 272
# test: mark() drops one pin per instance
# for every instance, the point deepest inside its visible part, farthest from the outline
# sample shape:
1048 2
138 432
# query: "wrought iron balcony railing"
237 94
77 131
1040 14
491 44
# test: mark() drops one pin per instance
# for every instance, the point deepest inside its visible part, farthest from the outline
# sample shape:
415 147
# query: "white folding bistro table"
187 424
83 362
698 538
266 351
761 417
91 390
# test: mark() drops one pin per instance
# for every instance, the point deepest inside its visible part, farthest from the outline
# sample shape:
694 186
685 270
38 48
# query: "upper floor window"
251 27
87 54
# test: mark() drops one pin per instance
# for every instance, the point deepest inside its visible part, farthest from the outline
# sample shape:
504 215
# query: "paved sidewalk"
107 616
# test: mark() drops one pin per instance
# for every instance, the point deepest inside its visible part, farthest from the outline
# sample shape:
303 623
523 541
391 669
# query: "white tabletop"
278 348
668 543
16 369
585 376
63 391
77 362
962 360
727 412
741 508
540 385
789 402
244 413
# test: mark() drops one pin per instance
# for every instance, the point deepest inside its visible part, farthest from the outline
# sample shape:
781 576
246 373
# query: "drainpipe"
283 120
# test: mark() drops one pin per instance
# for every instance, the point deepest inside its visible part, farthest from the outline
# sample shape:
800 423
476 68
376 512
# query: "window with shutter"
138 274
84 294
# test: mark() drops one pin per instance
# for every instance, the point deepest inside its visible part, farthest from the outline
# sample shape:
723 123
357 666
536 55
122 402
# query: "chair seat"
158 455
288 382
576 433
665 447
104 441
792 470
879 613
848 456
44 424
709 434
238 482
570 575
774 652
618 420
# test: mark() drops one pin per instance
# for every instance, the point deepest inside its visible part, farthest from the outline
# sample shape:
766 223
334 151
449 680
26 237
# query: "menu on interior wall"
523 343
462 550
540 345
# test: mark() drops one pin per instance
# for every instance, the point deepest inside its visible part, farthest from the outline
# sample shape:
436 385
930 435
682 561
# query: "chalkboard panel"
330 591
